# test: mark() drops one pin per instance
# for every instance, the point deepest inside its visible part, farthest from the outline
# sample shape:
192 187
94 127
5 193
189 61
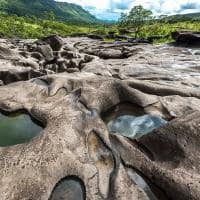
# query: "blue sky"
111 9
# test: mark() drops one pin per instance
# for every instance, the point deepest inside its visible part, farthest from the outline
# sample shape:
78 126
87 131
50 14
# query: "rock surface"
69 94
187 38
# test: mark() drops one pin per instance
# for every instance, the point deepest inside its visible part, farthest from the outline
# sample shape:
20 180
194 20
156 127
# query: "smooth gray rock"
54 41
162 80
46 51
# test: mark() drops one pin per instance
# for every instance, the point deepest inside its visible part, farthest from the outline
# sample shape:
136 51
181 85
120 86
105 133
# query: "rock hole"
18 127
69 188
131 121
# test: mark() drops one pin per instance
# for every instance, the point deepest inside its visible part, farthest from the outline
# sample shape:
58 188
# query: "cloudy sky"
111 9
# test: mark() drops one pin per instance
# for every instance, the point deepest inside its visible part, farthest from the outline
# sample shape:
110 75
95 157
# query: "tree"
135 18
49 15
123 19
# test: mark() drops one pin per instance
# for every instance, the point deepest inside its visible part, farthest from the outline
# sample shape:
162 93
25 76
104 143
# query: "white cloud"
101 4
112 8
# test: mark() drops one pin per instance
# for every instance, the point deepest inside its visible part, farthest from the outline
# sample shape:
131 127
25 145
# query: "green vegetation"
139 23
135 18
33 21
161 32
32 27
61 11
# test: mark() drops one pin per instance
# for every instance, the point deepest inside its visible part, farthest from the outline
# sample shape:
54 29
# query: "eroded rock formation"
187 38
75 144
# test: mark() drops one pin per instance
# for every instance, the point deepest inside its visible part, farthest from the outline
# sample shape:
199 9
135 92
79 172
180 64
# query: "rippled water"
131 121
135 126
17 128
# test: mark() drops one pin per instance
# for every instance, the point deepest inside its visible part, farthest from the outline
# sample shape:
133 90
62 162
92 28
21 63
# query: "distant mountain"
62 11
192 15
189 15
180 17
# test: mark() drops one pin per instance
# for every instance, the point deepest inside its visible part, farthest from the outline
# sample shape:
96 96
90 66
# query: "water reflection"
17 128
135 127
131 121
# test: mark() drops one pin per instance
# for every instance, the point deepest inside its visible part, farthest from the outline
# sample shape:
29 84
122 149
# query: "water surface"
17 128
68 189
131 121
135 126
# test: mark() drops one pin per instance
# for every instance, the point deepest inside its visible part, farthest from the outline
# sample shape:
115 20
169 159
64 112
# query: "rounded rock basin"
17 128
69 189
131 121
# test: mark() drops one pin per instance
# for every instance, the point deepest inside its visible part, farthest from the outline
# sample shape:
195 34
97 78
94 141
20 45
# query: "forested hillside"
61 11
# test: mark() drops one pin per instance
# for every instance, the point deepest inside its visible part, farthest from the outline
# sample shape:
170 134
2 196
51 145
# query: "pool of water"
131 121
17 128
68 189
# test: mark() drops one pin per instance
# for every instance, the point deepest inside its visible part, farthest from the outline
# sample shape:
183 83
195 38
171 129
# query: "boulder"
186 38
138 40
54 41
95 37
68 54
37 55
8 54
13 75
72 70
46 51
110 54
115 53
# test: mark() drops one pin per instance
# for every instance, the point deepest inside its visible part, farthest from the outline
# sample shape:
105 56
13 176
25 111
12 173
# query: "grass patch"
26 27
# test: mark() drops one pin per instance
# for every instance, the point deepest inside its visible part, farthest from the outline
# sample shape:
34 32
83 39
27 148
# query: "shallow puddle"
68 189
131 121
17 128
